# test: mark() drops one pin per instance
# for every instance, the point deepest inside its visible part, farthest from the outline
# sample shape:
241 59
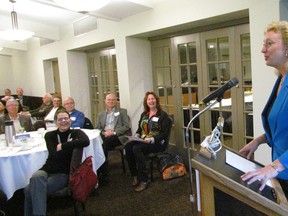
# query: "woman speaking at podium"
275 112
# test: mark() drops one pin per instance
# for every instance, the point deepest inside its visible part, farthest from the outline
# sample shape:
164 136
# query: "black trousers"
3 199
135 154
109 143
284 185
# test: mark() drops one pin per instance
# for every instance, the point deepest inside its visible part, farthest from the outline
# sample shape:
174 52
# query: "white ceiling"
49 13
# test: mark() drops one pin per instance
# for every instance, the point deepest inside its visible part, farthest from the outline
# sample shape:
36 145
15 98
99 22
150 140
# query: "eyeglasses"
69 103
11 105
268 43
63 119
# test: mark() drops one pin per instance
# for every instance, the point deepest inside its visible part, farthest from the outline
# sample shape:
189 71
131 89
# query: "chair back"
166 142
74 164
76 158
88 124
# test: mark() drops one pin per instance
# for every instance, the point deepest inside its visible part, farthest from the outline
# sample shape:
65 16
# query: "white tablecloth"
17 167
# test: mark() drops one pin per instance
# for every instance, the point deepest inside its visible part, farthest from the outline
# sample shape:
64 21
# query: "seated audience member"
153 128
2 108
24 101
49 118
77 117
7 93
43 110
20 121
114 125
54 174
3 199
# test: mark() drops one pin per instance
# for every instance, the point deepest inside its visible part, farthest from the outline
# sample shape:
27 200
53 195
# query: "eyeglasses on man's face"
71 103
11 105
63 119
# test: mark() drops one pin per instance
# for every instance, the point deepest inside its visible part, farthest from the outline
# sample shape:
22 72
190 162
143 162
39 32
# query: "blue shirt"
77 119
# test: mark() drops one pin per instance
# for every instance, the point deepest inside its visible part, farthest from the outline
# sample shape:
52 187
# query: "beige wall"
133 54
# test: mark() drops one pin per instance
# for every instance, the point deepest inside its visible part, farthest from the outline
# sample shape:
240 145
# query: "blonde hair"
280 27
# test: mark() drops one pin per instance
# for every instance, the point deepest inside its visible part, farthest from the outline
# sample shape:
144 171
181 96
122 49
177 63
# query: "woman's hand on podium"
252 146
264 174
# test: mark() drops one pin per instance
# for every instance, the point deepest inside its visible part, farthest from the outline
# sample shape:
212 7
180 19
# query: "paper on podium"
242 164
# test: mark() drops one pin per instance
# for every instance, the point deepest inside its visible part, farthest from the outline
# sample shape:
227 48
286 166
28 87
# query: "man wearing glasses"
114 125
77 117
21 122
54 174
49 118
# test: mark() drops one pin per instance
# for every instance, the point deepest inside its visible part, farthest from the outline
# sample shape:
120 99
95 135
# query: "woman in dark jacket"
153 131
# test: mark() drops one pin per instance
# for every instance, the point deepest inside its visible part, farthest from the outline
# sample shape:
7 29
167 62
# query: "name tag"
155 119
116 114
73 118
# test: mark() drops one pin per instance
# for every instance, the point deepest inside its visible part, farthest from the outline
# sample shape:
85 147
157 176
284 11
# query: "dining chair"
121 150
88 124
76 160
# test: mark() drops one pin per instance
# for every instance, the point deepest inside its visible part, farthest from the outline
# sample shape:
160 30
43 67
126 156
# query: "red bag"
83 180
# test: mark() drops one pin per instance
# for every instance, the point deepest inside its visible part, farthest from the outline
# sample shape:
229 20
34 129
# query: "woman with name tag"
275 113
154 130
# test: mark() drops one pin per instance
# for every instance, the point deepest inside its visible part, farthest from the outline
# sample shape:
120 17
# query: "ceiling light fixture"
15 34
83 5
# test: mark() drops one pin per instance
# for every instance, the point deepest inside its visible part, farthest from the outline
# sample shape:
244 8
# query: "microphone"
216 132
218 93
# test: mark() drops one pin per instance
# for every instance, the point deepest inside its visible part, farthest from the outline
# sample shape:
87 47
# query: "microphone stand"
192 194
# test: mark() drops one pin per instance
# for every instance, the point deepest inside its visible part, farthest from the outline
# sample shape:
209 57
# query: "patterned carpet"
117 197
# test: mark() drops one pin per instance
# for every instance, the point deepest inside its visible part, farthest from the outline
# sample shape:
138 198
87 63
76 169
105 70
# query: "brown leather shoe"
135 181
142 186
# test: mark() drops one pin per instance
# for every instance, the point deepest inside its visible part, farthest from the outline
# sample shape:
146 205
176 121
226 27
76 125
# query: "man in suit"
21 122
24 101
114 125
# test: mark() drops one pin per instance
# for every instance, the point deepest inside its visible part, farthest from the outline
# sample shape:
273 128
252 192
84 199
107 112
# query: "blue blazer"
275 124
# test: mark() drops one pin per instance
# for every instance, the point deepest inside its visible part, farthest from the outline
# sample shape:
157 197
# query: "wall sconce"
83 5
15 34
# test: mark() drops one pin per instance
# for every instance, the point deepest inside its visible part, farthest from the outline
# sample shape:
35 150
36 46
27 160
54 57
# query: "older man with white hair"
21 122
44 109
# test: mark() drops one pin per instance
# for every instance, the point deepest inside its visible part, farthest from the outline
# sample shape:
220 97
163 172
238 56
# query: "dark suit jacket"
41 111
25 122
26 103
122 123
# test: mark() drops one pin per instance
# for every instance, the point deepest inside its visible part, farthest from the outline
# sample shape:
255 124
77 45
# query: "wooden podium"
215 174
